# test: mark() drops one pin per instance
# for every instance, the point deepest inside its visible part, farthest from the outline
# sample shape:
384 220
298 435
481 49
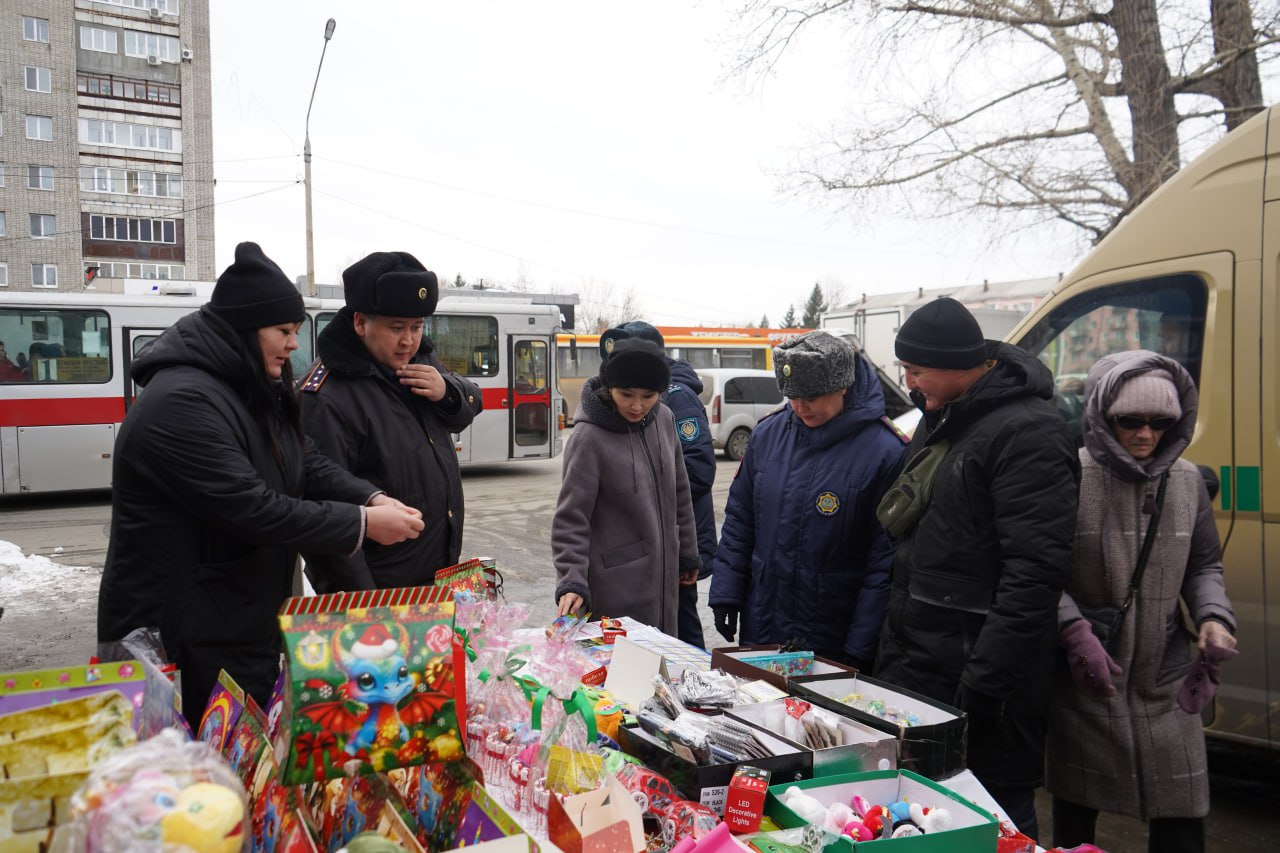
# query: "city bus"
1194 273
65 386
578 356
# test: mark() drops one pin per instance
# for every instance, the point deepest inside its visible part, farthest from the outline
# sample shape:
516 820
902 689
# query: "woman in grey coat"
1125 733
623 537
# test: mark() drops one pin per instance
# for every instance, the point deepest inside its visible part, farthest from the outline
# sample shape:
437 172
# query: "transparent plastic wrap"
163 795
706 689
162 697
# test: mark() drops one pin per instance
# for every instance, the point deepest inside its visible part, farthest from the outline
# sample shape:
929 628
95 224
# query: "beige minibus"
1192 273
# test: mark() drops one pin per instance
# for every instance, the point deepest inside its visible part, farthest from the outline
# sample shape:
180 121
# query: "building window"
103 41
42 225
125 135
132 230
4 274
44 275
131 182
144 45
166 272
35 29
39 177
39 127
1 174
3 229
35 79
167 7
108 86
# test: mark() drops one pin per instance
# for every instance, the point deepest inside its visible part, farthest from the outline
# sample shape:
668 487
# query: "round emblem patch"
422 293
688 429
828 503
786 370
608 345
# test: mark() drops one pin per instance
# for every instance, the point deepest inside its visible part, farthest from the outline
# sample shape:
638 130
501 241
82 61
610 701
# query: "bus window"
301 358
466 345
55 345
1165 315
530 368
739 358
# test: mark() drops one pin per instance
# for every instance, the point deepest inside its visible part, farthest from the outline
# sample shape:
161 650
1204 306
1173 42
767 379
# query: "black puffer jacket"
976 583
371 426
205 519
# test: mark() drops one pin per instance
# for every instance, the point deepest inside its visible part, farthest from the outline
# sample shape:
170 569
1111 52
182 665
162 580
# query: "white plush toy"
838 814
930 820
805 806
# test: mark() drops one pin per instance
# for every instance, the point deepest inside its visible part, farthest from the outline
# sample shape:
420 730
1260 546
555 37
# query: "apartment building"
106 150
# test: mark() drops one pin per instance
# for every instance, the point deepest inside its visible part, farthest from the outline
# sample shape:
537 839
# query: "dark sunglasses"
1135 422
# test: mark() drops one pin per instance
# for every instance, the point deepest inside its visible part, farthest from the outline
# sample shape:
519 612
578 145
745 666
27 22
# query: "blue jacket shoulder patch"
688 429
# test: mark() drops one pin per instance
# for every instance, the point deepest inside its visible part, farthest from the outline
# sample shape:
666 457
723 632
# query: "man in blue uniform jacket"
681 397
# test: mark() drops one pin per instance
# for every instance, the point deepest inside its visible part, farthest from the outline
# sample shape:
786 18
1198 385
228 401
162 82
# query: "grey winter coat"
1138 752
623 528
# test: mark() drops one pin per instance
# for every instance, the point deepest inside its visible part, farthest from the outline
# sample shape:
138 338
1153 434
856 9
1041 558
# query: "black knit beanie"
391 284
636 363
942 334
254 293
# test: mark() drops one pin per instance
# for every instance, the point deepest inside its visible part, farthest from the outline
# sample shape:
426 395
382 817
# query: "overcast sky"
587 147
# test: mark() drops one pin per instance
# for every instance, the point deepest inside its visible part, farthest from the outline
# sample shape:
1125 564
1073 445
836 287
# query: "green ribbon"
466 643
577 703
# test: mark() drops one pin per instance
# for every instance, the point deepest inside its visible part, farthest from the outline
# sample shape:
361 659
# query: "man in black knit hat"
378 401
972 616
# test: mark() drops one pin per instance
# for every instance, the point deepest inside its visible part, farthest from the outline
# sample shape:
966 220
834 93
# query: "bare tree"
1047 110
600 307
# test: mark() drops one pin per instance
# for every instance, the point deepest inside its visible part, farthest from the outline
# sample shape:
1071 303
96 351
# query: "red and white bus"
65 387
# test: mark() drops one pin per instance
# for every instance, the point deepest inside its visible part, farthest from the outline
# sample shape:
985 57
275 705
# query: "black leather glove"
726 621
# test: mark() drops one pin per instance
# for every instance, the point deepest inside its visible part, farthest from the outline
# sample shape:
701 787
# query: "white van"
736 399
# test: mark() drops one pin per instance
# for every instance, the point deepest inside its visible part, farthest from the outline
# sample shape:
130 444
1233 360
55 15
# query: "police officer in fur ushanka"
380 403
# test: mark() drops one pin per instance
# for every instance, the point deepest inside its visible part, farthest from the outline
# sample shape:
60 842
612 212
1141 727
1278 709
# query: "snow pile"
24 574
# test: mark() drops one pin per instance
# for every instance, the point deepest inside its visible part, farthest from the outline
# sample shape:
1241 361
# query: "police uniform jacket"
694 431
801 553
363 419
208 514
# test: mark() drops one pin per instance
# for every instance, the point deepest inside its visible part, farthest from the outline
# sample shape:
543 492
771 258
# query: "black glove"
726 621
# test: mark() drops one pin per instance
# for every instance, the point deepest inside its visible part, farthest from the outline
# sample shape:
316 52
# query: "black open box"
936 748
709 783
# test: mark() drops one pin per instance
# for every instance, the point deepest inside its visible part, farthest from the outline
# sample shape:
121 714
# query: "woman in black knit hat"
214 489
623 535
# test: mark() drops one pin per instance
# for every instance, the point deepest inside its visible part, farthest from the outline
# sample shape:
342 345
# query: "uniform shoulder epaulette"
312 381
895 429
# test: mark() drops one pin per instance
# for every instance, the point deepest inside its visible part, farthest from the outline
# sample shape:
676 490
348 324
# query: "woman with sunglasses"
1125 733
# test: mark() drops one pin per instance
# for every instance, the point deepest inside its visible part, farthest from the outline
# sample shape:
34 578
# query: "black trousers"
1075 824
1019 806
689 625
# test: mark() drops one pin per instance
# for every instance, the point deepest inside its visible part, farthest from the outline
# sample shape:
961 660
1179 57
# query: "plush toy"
900 811
860 805
875 818
857 830
930 820
838 814
805 806
207 818
906 830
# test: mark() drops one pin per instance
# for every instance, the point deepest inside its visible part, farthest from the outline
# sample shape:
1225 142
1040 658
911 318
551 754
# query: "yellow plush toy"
207 818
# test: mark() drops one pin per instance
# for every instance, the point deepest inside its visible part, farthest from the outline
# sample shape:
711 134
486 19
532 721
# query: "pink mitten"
1091 666
1201 683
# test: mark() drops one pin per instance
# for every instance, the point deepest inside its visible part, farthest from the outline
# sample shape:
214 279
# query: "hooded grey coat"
623 528
1138 752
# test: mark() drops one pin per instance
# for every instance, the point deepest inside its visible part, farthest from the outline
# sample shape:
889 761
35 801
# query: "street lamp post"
306 159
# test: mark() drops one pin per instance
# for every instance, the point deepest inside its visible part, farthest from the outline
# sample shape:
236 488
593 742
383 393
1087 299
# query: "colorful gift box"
20 691
226 703
750 662
370 683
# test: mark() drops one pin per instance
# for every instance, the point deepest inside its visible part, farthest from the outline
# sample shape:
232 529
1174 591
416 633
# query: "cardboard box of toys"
839 744
931 735
942 820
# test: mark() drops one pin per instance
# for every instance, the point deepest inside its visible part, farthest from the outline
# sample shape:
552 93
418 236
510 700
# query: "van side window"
737 391
1164 314
54 345
765 390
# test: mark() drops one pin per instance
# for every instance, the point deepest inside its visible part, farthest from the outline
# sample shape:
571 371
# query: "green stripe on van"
1226 490
1248 488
